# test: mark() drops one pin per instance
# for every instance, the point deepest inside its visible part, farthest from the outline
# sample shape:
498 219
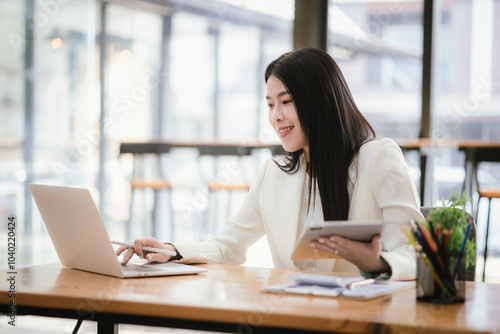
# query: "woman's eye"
270 106
287 101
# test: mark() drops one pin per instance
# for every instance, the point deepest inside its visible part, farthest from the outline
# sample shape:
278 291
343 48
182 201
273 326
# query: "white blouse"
308 218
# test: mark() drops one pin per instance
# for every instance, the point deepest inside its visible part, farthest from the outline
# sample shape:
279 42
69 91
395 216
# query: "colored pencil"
461 251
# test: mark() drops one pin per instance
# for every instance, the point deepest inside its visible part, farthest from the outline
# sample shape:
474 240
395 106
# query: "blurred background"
80 77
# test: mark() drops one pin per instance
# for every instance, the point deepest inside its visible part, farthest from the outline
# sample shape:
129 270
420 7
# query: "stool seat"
489 192
159 184
236 186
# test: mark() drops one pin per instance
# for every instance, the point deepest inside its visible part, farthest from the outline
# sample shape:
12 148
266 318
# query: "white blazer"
382 190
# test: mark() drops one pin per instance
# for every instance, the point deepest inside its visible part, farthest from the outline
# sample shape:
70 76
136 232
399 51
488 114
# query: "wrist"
377 267
176 257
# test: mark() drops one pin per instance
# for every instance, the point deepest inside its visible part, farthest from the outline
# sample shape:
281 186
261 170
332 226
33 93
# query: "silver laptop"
80 237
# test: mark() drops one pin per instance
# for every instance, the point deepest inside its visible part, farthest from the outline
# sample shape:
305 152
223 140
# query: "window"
378 46
182 70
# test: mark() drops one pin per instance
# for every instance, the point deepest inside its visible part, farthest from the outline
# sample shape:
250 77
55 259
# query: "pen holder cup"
435 287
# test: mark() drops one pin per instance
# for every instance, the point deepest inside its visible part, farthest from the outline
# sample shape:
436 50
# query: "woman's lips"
284 130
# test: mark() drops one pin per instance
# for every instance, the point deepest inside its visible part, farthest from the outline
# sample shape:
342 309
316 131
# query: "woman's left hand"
365 255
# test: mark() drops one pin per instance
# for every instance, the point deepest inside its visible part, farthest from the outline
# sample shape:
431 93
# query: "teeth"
285 129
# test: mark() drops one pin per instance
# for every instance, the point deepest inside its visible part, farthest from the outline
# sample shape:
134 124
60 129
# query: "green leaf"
452 217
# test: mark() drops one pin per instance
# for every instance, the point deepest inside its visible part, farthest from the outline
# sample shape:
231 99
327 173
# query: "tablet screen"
358 231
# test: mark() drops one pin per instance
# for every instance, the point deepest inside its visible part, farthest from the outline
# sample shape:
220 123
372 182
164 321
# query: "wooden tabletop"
160 147
202 143
460 143
230 294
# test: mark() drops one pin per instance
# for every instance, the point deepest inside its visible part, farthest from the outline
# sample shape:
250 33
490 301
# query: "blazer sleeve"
242 230
397 197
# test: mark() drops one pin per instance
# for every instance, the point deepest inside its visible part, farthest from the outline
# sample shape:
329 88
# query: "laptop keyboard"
134 268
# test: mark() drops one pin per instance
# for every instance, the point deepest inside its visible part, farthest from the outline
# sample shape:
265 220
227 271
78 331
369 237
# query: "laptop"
80 237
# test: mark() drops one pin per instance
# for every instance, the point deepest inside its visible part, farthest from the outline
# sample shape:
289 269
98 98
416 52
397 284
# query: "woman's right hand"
150 256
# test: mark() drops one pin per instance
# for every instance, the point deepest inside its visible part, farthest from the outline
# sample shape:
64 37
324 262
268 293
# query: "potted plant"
447 251
458 224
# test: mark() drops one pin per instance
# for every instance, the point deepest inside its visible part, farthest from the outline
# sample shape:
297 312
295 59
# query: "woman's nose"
277 115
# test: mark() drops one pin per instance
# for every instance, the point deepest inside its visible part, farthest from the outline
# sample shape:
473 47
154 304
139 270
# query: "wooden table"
227 298
223 147
475 151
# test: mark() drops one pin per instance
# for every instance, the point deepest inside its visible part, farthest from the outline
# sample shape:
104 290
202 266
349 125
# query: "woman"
334 170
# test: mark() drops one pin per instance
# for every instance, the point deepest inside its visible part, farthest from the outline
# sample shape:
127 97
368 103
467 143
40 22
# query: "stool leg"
170 195
205 218
228 209
215 215
145 209
154 214
203 221
486 241
128 227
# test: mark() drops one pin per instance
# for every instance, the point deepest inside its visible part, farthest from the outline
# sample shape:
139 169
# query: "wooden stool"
216 151
157 183
156 186
214 186
489 193
476 155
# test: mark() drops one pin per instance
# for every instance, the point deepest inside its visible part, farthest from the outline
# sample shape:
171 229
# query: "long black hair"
334 127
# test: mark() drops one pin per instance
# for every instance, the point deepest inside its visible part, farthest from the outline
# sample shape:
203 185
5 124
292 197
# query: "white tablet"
354 230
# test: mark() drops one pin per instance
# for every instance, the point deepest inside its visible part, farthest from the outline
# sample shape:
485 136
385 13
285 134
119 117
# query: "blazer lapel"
287 200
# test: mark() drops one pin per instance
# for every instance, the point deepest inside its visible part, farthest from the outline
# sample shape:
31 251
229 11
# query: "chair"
470 272
475 156
139 180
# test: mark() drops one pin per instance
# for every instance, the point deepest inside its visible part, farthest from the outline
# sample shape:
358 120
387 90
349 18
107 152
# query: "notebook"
342 286
80 237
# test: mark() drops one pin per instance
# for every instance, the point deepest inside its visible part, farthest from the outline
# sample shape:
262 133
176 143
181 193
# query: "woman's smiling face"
283 117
